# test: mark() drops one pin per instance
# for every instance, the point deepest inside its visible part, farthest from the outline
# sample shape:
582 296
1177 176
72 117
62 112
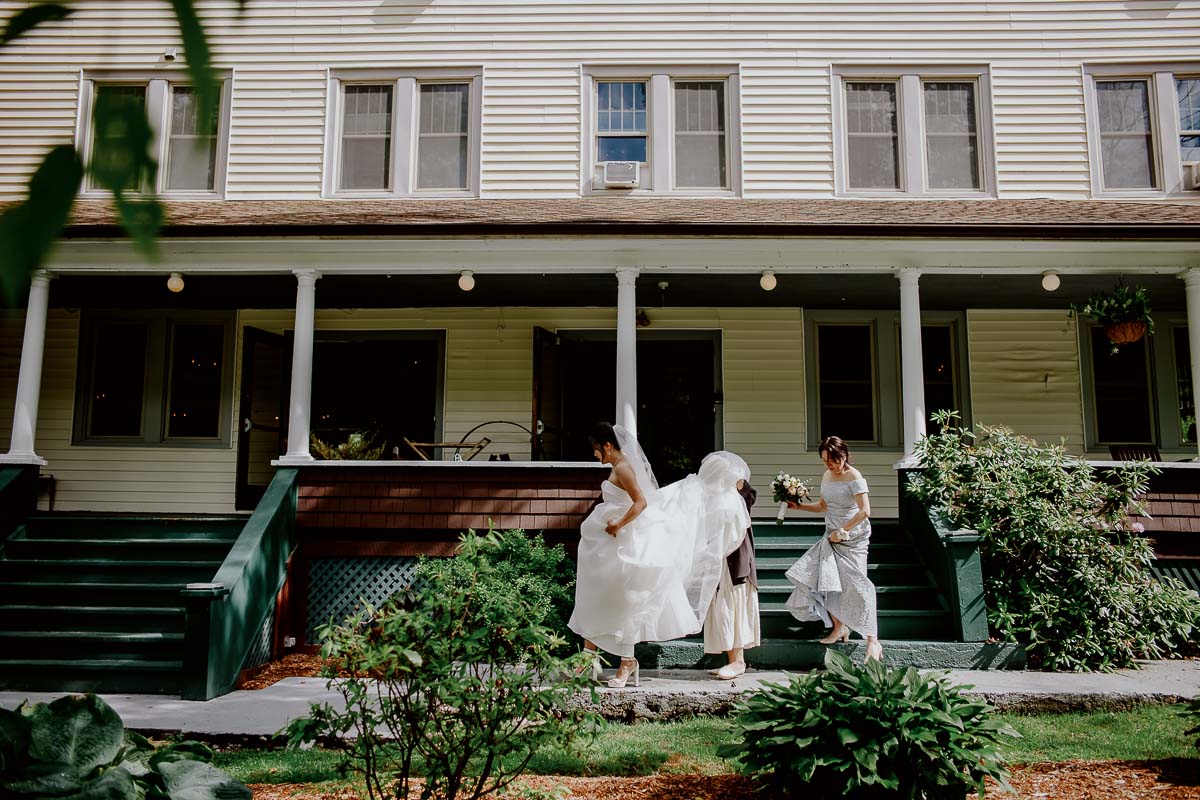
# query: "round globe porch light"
1050 280
466 280
768 281
175 282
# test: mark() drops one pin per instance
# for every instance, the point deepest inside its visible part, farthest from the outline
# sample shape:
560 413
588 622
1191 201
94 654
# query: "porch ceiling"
808 290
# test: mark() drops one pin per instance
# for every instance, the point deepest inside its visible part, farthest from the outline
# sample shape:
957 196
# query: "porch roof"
1083 219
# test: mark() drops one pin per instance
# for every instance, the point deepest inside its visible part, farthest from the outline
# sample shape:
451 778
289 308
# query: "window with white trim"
404 135
679 124
923 131
191 161
1144 129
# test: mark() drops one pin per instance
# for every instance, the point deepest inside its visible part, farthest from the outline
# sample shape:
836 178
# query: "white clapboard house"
471 229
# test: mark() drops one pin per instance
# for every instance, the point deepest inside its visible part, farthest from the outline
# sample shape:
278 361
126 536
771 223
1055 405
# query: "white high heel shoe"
618 682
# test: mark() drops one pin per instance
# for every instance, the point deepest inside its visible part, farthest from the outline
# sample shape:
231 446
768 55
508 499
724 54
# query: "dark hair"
834 446
602 432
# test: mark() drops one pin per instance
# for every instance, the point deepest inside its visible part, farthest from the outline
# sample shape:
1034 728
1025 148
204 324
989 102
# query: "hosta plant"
867 732
77 748
1066 573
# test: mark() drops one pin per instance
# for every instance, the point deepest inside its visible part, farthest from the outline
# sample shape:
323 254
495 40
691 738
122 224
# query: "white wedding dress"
655 579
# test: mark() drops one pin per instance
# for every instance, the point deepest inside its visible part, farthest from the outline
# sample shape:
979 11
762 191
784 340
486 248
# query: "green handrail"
226 616
953 557
18 497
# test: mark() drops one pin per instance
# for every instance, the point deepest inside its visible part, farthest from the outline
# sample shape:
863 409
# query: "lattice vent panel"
260 652
337 585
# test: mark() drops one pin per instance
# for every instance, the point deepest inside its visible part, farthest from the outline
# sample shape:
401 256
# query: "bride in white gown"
650 559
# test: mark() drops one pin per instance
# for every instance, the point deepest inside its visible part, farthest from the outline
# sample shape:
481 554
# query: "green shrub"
358 447
77 748
457 680
1065 573
867 732
543 575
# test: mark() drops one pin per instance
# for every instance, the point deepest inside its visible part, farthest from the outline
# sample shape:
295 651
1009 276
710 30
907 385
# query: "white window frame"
406 99
158 86
1164 124
658 176
910 122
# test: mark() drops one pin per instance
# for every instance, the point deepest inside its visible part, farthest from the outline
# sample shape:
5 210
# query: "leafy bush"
1065 573
543 575
868 732
76 748
458 681
358 447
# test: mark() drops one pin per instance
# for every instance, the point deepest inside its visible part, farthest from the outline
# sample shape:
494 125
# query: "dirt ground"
1174 779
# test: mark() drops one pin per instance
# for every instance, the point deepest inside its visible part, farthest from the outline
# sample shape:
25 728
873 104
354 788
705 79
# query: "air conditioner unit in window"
622 174
1191 174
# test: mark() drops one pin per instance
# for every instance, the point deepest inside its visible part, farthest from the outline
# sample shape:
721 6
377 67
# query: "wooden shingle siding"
1024 369
531 54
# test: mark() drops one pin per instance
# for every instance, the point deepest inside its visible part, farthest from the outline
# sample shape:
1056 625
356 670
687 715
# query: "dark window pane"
194 404
621 148
1122 392
109 156
118 380
871 136
937 356
846 382
1183 377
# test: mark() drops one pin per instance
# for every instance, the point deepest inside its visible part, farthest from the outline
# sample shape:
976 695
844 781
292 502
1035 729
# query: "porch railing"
953 557
226 616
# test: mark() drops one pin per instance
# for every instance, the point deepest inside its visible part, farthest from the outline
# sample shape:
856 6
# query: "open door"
263 413
547 397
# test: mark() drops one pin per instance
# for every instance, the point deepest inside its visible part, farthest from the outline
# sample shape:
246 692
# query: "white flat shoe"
731 671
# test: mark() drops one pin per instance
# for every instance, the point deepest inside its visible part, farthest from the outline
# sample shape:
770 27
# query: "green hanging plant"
359 447
1124 312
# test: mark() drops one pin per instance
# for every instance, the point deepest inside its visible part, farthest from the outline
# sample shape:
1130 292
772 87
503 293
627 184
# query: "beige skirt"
732 620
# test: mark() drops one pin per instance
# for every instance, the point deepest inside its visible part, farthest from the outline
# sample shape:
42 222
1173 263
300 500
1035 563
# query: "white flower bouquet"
787 489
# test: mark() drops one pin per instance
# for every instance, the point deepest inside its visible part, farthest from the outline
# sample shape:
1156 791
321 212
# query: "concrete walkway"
255 715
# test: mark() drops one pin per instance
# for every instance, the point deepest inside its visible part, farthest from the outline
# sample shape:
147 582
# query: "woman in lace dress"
830 580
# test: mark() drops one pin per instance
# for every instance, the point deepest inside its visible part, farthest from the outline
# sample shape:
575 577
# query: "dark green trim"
954 559
18 497
226 616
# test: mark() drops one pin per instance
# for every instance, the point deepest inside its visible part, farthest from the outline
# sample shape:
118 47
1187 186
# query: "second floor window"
191 160
677 126
914 133
1144 129
404 136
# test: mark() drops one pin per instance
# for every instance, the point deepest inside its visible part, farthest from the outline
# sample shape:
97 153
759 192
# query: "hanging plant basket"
1125 332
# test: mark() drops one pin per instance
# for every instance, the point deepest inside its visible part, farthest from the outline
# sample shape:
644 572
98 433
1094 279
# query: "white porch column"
912 370
1191 280
29 378
626 412
300 404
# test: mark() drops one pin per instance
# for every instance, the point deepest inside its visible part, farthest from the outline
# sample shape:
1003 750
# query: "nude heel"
839 634
635 674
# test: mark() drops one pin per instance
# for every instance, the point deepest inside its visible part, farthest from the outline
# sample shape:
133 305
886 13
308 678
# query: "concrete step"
804 655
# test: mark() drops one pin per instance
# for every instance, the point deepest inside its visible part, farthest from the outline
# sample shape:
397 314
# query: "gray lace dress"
831 578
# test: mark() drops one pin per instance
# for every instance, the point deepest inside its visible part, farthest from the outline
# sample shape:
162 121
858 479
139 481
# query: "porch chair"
1133 452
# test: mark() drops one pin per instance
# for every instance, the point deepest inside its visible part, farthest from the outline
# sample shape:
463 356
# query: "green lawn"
1152 732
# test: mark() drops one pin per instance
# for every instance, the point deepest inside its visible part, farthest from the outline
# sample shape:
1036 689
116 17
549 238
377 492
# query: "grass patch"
1149 732
689 747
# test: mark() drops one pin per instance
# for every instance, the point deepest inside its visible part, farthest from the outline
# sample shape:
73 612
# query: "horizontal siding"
1024 368
531 52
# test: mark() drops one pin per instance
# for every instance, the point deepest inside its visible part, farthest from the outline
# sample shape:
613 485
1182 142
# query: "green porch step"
91 602
894 596
131 550
127 675
133 619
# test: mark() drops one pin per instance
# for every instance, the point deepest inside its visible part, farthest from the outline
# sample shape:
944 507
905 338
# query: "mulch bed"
1172 779
296 665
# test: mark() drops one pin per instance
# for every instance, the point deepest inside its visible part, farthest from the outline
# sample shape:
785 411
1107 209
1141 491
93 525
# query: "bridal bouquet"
785 489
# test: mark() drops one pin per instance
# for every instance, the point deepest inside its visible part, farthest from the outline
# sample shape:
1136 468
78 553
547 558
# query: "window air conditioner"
622 174
1191 174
